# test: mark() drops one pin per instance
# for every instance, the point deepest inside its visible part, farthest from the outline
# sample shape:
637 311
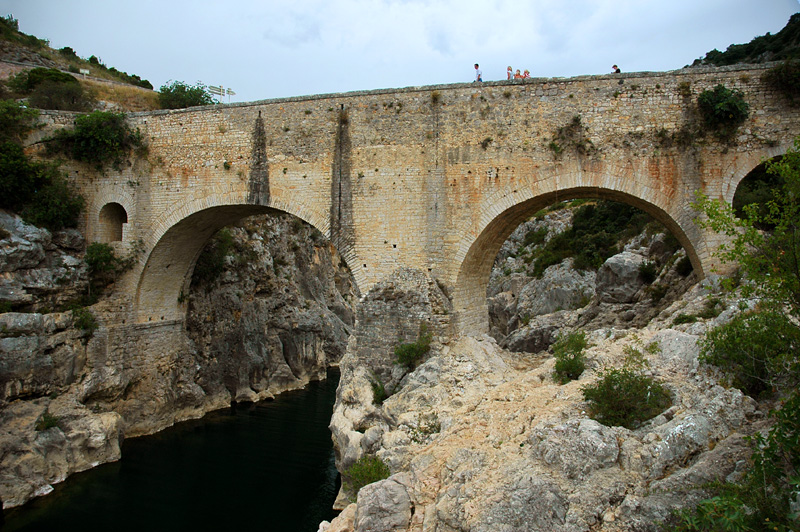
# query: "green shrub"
100 257
178 95
624 397
60 96
98 138
15 120
379 393
648 271
39 192
27 80
104 265
366 470
723 110
408 354
46 421
211 262
534 237
684 318
19 177
55 205
757 349
596 230
84 320
570 359
68 52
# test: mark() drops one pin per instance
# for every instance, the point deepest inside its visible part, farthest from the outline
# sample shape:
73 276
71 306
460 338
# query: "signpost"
221 92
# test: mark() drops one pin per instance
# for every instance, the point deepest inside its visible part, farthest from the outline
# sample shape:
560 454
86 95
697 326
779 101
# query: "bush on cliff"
366 470
723 110
38 192
625 397
16 121
596 230
570 360
757 349
98 138
408 354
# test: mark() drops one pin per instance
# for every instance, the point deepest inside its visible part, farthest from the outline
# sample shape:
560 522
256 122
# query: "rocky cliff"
277 315
481 437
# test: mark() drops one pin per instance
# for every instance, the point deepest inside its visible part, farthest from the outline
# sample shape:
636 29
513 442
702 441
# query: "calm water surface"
264 467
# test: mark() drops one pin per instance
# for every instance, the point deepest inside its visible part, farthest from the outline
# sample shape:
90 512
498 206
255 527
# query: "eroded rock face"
484 439
527 313
278 321
279 315
34 458
618 279
39 271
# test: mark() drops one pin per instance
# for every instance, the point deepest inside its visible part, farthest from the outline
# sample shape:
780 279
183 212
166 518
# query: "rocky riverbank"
278 314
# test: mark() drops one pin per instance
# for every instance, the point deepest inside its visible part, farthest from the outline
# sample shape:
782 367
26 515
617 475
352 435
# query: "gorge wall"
277 316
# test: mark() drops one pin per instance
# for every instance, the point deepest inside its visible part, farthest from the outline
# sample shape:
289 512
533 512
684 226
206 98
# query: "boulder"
618 278
383 506
560 288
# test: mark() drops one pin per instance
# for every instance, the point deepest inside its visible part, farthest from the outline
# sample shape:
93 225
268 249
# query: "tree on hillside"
178 95
783 45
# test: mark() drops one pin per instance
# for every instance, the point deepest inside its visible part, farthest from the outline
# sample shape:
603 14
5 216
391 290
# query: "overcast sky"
269 48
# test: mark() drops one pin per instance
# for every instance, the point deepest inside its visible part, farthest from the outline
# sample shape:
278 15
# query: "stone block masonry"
430 178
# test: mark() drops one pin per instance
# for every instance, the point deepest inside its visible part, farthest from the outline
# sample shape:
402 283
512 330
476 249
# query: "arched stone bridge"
433 178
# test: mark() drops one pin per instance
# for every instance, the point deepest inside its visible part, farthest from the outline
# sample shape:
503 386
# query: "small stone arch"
746 164
469 294
111 222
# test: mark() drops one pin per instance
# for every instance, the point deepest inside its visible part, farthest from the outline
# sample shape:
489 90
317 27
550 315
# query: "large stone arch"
175 245
469 295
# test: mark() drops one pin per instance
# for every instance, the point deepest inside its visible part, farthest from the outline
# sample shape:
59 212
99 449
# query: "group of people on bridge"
525 74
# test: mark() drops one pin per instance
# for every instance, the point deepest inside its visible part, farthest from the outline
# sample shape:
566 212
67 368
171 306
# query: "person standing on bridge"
478 73
509 73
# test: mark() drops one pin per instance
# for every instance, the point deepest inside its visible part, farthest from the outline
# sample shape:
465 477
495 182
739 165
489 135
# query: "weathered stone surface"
577 447
618 278
270 324
560 288
383 506
511 450
38 270
32 460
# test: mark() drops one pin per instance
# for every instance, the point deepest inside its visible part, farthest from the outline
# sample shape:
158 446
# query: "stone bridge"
433 178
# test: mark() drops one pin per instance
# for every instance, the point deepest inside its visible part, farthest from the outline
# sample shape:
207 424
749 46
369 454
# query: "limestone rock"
560 288
618 279
383 506
577 447
39 270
